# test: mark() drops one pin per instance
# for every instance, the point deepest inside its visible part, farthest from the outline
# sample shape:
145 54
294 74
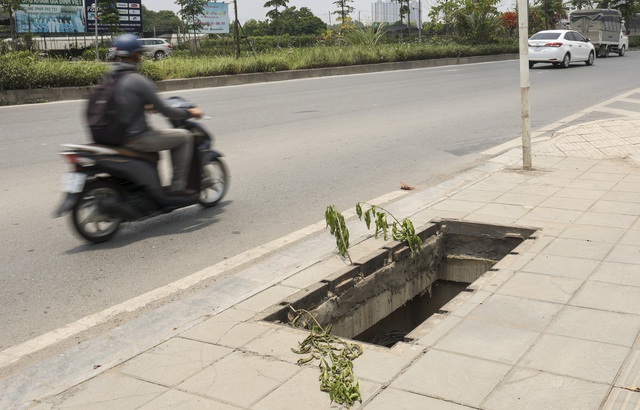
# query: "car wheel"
531 63
566 61
159 55
591 58
621 51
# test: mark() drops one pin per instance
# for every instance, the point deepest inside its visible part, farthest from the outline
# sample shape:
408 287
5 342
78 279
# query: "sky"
254 9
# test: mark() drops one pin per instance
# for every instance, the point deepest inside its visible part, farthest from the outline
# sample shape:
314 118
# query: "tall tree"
163 21
552 11
344 9
274 14
300 22
108 15
190 10
9 7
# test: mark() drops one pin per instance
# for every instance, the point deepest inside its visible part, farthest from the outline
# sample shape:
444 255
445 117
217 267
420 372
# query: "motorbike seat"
128 152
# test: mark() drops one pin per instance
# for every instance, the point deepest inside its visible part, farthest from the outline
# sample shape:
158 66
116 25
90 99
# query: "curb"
15 97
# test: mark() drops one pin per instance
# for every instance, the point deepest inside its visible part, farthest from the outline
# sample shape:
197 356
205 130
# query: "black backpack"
102 112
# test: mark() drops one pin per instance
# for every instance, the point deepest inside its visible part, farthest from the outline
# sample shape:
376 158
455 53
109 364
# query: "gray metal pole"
523 33
95 26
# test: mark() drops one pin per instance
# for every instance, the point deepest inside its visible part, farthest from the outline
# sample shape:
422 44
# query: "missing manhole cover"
383 305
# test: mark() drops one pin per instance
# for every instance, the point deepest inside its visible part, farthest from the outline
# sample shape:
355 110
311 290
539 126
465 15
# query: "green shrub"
24 70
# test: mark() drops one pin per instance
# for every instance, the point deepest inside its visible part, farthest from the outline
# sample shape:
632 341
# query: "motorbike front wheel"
89 215
215 182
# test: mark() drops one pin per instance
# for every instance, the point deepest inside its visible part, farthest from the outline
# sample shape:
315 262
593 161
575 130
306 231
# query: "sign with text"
130 16
51 16
215 19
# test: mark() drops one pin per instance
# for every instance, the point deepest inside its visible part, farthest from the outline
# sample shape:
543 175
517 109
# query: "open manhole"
380 300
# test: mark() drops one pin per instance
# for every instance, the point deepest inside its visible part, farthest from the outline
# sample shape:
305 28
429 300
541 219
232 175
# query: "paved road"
292 148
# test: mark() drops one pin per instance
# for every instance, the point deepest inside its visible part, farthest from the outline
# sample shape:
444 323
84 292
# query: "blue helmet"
127 44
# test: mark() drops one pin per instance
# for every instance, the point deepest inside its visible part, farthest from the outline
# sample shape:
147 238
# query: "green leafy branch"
400 231
335 358
338 228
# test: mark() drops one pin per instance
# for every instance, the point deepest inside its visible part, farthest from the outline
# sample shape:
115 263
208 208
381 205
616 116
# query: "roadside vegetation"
289 39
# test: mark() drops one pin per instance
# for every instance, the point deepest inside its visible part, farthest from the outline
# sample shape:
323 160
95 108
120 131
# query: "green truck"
604 28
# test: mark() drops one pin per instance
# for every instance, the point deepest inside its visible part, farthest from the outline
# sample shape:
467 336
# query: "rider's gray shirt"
133 92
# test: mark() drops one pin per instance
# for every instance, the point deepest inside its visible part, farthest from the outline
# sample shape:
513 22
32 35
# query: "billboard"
51 16
130 16
215 19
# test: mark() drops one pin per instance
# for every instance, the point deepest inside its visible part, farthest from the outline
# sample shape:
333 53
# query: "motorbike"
111 185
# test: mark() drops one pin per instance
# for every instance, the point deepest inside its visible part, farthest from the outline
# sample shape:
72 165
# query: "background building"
389 12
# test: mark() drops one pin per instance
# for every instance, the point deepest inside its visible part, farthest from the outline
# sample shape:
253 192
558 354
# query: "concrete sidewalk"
554 325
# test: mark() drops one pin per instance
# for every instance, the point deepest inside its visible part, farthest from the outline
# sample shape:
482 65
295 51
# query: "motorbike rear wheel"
215 183
90 218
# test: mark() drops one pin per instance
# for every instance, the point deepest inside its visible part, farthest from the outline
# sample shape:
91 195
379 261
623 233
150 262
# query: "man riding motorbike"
135 93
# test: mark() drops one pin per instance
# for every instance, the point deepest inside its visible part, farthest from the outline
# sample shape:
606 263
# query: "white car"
156 48
560 48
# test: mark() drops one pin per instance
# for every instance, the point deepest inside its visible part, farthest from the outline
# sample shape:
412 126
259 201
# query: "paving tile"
315 273
565 266
607 219
575 164
225 331
622 399
503 210
568 203
598 175
449 376
578 248
593 233
179 400
458 206
381 365
266 298
278 342
597 325
629 376
487 340
608 296
585 359
620 273
173 361
465 302
17 390
476 195
541 287
395 399
534 188
622 196
526 389
624 253
522 199
518 313
434 328
617 207
552 181
302 391
109 391
541 213
591 184
240 378
574 191
632 237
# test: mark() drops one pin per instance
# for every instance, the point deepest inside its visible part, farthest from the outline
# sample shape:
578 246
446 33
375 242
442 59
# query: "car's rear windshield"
545 36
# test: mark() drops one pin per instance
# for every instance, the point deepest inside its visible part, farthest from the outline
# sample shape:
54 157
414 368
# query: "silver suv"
156 48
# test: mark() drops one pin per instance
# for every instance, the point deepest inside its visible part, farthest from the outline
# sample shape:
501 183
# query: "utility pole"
95 26
523 33
420 20
236 32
